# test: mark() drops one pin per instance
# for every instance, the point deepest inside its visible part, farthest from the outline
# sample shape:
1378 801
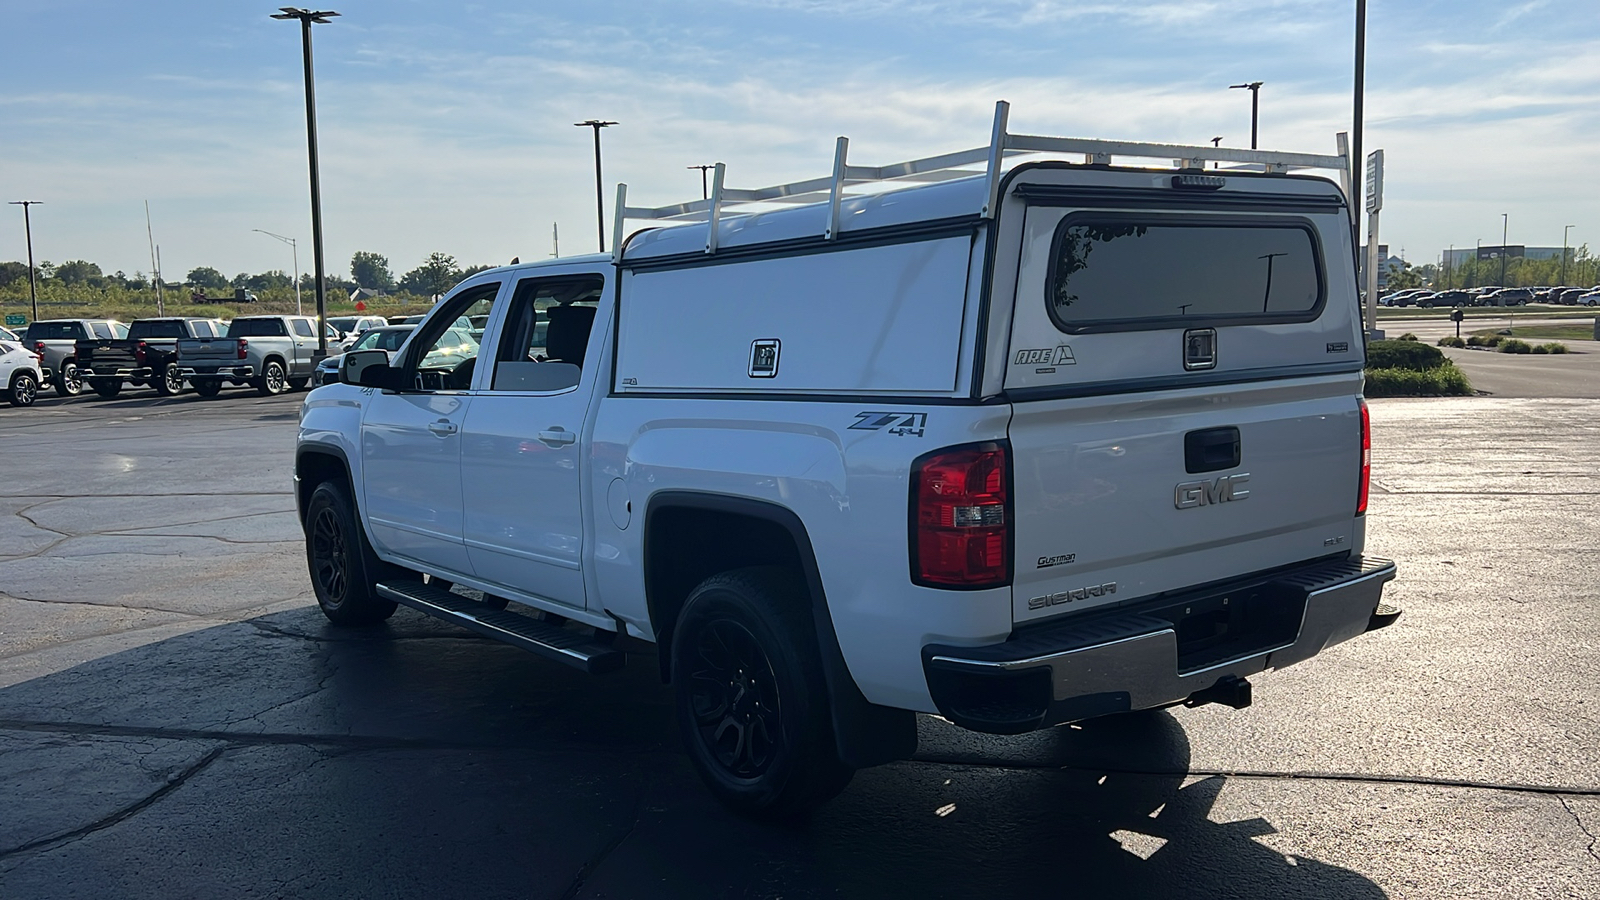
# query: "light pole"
599 200
27 226
1449 266
307 18
296 250
1255 106
1505 229
705 193
1564 230
1356 159
1477 257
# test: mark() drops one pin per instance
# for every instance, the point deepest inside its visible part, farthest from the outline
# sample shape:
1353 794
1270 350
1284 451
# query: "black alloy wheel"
24 389
734 695
751 702
208 387
68 384
272 379
344 570
168 381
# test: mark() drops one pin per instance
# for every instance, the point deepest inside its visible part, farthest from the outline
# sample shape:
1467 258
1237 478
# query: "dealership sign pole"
1374 204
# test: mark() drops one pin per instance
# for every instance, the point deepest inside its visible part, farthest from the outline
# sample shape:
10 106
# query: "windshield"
385 339
343 323
1124 268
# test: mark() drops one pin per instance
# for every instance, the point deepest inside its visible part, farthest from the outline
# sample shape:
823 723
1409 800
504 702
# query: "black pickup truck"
147 356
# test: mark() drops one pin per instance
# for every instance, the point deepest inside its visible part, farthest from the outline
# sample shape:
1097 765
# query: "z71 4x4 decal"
897 423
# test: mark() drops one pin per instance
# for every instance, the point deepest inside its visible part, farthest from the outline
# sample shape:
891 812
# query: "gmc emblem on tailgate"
1206 493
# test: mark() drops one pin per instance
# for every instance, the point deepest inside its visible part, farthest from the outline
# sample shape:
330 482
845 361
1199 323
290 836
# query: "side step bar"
551 641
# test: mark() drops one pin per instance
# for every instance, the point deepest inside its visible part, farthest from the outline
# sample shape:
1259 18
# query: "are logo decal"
900 424
1047 356
1226 489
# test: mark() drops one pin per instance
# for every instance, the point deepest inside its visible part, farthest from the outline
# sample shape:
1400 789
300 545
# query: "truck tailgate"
196 350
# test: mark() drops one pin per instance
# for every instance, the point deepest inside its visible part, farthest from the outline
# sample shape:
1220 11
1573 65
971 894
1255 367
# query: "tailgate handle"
1211 449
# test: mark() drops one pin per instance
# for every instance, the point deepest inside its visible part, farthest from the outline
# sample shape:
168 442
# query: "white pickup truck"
1044 441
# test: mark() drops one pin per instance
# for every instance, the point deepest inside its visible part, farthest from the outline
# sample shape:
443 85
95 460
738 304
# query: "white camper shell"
1033 439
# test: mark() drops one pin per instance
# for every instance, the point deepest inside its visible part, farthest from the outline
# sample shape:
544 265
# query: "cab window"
445 354
546 335
302 327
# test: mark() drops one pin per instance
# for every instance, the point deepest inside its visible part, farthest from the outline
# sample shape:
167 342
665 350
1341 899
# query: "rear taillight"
243 346
960 517
1366 457
138 352
38 347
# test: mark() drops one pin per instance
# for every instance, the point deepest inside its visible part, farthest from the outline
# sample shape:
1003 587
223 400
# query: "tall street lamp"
705 194
1360 91
1505 228
27 226
296 250
1255 106
599 201
307 18
1564 230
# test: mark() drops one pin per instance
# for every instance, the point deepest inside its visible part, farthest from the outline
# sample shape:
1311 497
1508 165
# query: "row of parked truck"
270 353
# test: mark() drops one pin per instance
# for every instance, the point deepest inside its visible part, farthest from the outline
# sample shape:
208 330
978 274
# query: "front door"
521 447
411 442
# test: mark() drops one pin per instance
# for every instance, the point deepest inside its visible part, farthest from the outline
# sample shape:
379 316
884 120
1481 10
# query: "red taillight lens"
960 518
138 352
1366 457
243 346
38 347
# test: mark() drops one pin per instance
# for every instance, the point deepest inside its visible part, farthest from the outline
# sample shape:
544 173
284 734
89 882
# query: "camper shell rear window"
249 328
1139 271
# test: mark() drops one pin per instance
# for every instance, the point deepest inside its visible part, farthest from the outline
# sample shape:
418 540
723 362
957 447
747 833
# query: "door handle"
559 437
442 429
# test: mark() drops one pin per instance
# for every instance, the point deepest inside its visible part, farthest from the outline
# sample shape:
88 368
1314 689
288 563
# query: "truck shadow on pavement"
282 757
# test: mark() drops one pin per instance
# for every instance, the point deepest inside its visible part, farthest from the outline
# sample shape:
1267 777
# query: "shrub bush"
1442 381
1451 341
1512 345
1552 347
1474 340
1413 355
1408 336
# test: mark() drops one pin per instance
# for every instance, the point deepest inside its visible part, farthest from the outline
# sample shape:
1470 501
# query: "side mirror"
368 368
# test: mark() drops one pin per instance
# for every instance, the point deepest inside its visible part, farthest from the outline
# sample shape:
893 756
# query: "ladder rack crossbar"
978 161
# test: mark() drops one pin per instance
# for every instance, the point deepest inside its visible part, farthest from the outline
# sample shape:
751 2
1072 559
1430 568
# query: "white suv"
1021 447
20 373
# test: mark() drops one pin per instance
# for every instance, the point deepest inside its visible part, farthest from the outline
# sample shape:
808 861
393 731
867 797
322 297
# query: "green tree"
206 278
12 272
371 270
433 277
268 280
77 271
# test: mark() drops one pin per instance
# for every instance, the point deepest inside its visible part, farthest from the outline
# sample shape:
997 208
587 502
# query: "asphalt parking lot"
178 720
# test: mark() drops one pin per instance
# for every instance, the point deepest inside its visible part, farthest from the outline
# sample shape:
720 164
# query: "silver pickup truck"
270 353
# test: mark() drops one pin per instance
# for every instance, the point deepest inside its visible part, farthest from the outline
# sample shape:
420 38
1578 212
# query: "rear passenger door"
305 346
521 446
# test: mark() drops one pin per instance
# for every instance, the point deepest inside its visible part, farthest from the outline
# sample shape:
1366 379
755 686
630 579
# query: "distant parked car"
55 341
1508 297
352 327
1590 299
1569 296
20 372
385 337
7 334
1455 299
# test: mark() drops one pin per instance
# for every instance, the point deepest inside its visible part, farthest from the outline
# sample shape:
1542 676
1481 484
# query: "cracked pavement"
177 719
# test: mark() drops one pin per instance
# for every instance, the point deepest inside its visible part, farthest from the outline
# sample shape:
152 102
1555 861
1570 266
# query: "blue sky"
448 127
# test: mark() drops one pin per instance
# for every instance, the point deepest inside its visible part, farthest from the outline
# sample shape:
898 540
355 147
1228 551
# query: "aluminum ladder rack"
1002 146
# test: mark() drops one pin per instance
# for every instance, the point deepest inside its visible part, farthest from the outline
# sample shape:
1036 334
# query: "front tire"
68 384
272 380
107 388
343 567
24 389
751 702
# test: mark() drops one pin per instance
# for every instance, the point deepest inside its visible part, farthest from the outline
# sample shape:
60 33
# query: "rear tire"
344 570
167 381
24 389
107 388
272 380
68 384
751 702
208 387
